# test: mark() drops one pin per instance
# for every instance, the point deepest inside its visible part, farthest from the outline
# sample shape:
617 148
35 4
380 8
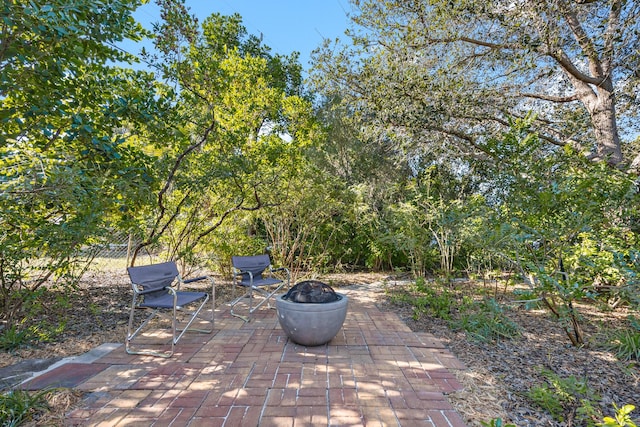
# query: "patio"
376 372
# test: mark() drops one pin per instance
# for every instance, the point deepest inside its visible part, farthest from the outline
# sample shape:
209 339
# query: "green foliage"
426 299
19 406
487 322
483 321
429 301
560 220
14 337
95 309
563 396
622 417
626 264
69 171
446 103
358 183
239 130
625 343
45 332
496 422
528 298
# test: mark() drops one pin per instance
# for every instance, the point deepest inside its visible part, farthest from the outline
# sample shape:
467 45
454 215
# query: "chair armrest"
285 269
237 272
196 279
148 291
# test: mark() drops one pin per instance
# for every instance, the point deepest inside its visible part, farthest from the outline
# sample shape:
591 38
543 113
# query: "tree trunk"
603 117
595 89
607 135
600 103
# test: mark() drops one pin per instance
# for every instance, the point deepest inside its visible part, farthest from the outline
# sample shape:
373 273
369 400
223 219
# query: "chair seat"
166 300
255 276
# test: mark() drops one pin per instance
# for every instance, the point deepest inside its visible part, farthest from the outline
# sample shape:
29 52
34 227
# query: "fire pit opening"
311 291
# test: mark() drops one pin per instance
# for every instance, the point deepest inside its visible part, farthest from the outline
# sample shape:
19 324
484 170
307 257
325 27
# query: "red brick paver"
375 372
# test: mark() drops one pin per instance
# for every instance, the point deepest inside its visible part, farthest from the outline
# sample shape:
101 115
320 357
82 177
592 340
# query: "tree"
69 170
367 179
229 153
563 220
452 72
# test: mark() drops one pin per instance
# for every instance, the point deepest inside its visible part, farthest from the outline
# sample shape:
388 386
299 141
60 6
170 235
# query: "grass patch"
483 320
486 321
625 343
19 406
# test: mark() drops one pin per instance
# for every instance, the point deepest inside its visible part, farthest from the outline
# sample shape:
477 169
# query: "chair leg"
233 303
130 336
193 316
174 328
265 295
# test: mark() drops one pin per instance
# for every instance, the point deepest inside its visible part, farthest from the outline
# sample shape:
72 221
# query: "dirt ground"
500 374
496 382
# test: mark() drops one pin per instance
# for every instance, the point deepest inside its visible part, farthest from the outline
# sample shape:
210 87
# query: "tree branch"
559 99
565 62
585 42
610 35
476 42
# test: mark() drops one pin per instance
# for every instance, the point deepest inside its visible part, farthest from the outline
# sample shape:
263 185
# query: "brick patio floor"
375 372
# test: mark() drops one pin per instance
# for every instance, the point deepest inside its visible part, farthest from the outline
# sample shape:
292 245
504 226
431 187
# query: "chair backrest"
154 276
256 264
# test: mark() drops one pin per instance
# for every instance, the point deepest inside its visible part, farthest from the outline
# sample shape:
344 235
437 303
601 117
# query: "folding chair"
156 288
248 273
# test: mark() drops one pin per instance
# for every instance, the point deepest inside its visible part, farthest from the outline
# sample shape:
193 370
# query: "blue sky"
286 25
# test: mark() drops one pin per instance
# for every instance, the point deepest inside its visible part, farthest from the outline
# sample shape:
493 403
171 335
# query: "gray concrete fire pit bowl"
311 324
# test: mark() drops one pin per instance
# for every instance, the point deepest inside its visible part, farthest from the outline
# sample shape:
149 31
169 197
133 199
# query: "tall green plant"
358 180
440 214
69 168
563 218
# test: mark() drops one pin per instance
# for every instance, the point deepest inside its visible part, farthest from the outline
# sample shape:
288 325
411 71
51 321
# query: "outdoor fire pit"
311 313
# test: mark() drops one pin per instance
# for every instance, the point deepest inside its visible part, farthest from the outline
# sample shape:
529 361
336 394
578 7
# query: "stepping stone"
67 375
12 375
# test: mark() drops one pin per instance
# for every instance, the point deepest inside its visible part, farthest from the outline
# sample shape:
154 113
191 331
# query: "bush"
626 343
487 322
19 406
12 338
564 397
622 417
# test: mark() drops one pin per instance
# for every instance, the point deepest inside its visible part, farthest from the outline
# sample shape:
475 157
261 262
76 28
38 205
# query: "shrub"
437 305
19 406
428 301
487 322
626 344
622 417
561 397
12 338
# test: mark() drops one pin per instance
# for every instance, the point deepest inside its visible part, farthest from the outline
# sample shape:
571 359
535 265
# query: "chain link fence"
117 252
113 255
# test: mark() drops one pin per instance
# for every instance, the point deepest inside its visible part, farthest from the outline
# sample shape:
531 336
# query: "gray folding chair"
255 276
156 288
